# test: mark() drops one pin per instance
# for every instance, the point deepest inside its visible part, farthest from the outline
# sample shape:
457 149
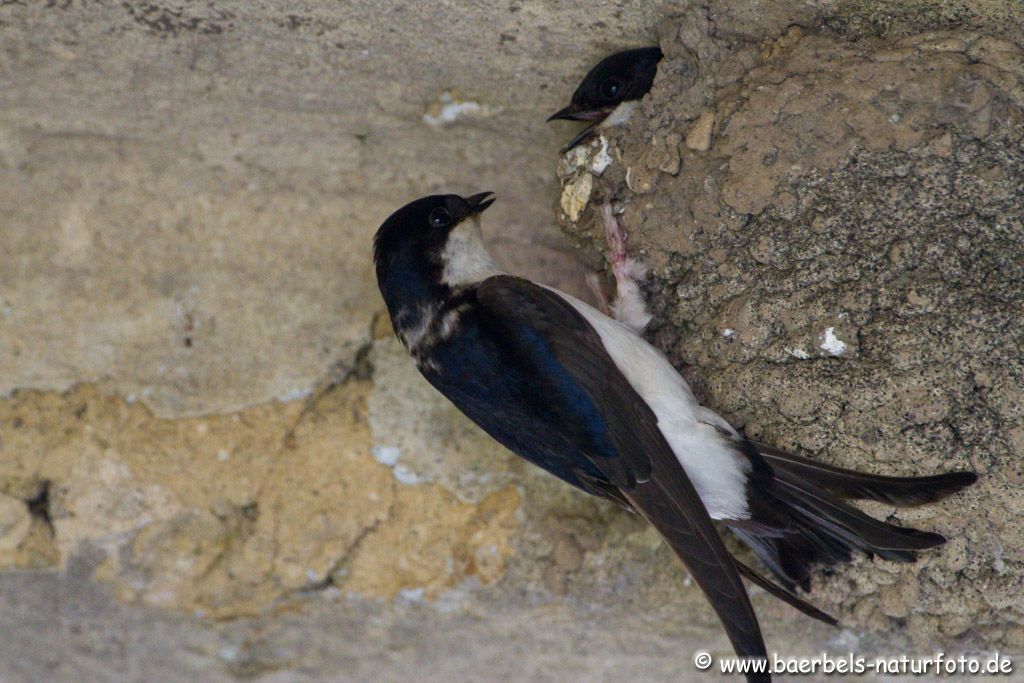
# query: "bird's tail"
821 529
848 484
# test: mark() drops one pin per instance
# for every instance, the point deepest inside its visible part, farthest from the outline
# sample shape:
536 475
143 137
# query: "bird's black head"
414 247
619 78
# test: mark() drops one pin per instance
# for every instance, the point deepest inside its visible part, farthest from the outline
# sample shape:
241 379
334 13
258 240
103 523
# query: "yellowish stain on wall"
229 514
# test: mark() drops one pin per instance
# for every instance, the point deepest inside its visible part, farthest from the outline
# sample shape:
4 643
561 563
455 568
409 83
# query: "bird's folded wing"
544 332
572 375
671 505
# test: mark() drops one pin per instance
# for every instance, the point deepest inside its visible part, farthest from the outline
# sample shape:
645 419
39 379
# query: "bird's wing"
543 332
670 503
572 373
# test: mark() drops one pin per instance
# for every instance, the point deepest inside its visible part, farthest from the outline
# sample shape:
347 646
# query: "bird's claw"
628 307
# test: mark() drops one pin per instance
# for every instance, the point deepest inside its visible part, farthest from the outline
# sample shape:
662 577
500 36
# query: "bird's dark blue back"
514 405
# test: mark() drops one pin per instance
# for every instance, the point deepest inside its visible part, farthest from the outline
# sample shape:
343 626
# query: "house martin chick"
611 91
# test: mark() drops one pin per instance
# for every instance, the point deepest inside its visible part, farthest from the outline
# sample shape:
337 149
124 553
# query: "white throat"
621 114
466 259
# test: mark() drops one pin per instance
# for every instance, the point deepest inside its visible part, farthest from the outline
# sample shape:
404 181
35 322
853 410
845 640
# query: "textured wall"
190 188
215 460
834 229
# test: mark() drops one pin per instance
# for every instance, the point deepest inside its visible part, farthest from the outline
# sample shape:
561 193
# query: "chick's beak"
574 113
479 202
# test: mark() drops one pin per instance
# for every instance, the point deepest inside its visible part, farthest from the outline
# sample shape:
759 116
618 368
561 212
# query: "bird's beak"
478 203
580 137
574 113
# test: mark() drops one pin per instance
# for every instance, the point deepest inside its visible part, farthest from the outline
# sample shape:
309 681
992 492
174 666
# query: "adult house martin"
586 398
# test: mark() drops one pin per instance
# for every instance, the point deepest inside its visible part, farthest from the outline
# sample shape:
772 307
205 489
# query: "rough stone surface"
337 639
217 464
225 515
838 265
188 190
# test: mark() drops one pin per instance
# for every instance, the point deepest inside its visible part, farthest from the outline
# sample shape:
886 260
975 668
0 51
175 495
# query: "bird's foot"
628 307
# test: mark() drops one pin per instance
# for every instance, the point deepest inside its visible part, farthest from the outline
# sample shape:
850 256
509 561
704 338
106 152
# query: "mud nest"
834 228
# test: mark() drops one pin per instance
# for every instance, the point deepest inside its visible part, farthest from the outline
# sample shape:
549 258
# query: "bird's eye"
611 88
440 218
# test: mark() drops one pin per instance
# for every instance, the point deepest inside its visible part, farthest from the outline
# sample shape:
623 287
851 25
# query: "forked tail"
821 529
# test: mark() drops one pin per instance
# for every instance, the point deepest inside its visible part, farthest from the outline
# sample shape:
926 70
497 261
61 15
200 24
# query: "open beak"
574 113
478 203
580 137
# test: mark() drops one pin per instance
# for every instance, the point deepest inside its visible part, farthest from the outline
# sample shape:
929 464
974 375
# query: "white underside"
716 469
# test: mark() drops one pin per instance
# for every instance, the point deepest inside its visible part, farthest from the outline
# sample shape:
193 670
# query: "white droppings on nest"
570 163
831 344
450 108
601 160
797 352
